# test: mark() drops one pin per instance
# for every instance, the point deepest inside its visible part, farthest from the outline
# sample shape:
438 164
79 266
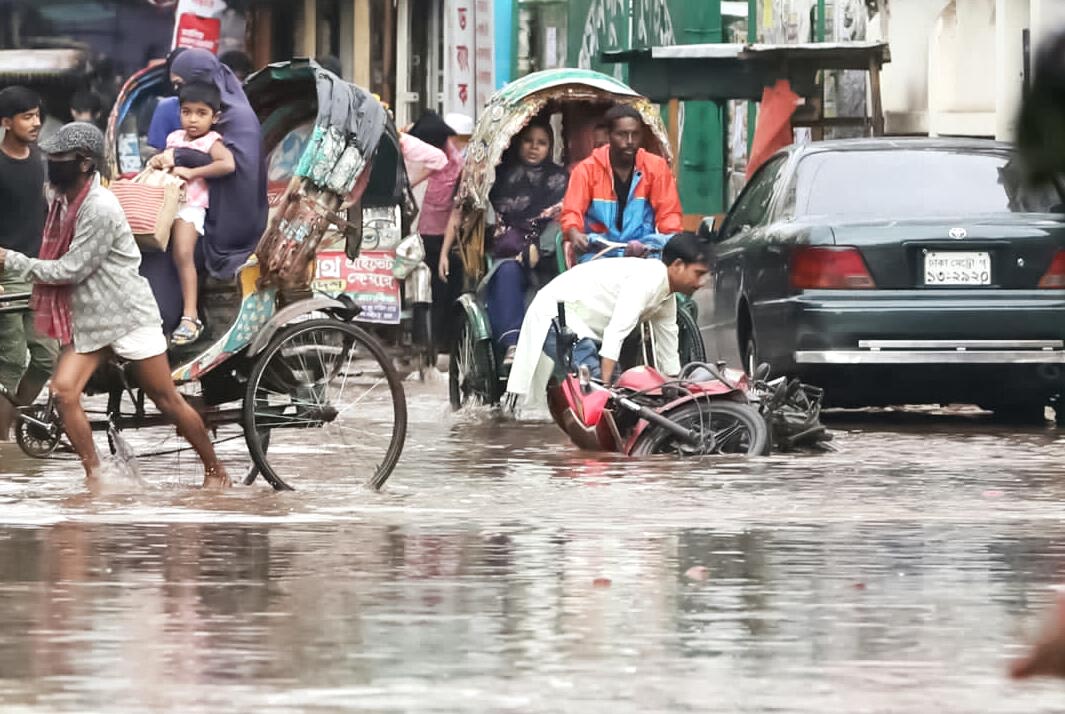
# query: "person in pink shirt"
433 220
201 104
422 160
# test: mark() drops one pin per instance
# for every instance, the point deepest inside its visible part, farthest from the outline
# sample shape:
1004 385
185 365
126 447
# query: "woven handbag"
150 201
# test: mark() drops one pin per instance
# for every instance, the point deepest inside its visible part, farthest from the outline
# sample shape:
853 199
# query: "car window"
752 207
891 183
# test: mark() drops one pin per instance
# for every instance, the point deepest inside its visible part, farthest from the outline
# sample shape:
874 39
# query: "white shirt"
605 300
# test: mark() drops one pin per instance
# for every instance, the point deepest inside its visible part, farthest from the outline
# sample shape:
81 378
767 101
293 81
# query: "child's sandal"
187 332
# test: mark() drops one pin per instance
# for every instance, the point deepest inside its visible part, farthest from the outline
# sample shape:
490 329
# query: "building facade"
446 55
574 33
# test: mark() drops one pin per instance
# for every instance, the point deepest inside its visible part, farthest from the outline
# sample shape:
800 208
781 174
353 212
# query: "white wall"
962 70
1012 17
904 81
964 59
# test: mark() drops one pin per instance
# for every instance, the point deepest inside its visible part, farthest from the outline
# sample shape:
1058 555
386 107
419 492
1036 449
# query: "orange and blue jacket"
591 207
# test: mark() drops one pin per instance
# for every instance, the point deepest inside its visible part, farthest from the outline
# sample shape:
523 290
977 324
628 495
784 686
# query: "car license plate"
957 268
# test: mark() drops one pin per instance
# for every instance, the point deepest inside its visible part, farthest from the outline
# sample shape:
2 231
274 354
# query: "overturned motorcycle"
707 409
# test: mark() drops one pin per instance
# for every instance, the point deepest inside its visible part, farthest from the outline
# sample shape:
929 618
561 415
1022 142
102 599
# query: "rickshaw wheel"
34 440
689 340
471 371
326 398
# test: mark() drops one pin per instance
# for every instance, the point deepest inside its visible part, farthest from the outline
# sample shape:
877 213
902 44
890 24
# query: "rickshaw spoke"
315 411
359 400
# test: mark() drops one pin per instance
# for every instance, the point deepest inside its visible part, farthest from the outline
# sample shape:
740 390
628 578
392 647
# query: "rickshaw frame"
507 112
273 311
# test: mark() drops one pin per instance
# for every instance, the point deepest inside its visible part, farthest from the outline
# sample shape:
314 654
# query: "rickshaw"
573 101
284 368
396 311
55 74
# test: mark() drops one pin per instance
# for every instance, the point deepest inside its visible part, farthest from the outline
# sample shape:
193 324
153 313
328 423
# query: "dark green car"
895 271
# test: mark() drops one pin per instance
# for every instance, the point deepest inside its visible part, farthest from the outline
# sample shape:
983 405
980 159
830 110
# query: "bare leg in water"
153 375
73 372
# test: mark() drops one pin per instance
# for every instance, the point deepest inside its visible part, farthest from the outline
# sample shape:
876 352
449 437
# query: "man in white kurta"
605 300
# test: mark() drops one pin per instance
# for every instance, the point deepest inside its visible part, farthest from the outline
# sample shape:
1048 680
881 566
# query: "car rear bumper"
987 323
939 352
890 347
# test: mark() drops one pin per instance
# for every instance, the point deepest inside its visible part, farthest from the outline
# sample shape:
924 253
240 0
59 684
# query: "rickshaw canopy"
511 108
43 66
349 122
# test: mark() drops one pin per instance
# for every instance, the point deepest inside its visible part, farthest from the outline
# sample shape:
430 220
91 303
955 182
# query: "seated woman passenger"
526 197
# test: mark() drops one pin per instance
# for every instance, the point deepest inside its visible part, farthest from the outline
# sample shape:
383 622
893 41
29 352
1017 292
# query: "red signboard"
367 279
197 32
198 24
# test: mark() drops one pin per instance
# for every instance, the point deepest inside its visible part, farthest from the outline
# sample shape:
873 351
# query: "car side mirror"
706 230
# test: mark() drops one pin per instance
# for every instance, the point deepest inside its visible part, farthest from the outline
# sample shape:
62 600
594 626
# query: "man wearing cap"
22 207
89 296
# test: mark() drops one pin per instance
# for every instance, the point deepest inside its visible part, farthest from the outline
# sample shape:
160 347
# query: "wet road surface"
501 570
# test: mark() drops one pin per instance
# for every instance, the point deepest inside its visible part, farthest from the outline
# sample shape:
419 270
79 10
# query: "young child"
200 106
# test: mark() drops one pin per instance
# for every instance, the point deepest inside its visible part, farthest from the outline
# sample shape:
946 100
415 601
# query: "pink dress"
196 192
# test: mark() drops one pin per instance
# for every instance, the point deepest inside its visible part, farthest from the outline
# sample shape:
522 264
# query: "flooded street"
502 570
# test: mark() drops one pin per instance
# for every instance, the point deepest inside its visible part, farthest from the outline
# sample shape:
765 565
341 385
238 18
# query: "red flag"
773 130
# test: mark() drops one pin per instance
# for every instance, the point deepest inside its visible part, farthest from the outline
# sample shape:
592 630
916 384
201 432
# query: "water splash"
119 471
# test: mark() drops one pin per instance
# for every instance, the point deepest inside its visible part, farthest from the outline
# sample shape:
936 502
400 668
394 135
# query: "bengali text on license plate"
957 268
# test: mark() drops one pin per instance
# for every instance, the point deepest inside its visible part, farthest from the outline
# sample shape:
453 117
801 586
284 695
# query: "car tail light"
829 268
1054 277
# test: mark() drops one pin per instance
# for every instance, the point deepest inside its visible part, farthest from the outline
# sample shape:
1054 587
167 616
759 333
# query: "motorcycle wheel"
729 428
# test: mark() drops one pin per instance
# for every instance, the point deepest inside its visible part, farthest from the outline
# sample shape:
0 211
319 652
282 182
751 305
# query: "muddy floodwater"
502 570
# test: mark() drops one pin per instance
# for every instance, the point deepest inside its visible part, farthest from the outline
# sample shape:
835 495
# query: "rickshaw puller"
89 295
621 193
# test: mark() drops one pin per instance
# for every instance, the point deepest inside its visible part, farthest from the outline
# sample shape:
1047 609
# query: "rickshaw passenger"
166 118
237 214
88 295
200 105
238 210
527 195
622 194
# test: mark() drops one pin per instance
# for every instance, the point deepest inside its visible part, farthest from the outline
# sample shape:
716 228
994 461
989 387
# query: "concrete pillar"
401 110
961 68
346 30
310 28
1011 19
361 48
904 80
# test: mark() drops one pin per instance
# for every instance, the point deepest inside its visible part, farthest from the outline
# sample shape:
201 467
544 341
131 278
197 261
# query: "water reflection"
502 571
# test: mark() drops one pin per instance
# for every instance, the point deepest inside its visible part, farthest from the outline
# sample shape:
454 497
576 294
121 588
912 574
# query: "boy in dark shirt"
23 208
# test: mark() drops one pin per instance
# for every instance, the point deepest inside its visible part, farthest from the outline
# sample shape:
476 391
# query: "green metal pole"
821 20
752 37
515 19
